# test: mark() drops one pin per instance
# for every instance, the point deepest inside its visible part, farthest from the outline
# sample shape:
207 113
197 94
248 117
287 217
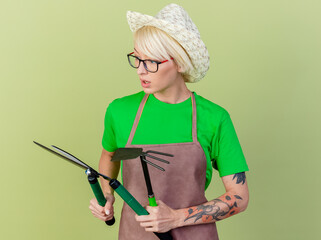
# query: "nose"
141 69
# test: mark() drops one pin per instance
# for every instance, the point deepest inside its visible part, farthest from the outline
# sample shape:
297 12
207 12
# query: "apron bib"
182 184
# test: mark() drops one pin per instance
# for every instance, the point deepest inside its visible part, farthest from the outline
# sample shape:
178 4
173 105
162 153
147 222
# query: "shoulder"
127 101
125 105
209 108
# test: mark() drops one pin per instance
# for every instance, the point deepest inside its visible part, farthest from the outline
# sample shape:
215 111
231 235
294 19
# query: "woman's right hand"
103 213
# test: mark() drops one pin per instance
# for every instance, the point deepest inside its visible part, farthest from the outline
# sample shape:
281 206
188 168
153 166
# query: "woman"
167 117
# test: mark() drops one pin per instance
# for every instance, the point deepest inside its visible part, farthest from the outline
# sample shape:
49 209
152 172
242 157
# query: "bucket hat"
175 21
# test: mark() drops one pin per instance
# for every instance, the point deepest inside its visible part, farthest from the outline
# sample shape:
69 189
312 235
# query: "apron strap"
140 110
139 113
194 124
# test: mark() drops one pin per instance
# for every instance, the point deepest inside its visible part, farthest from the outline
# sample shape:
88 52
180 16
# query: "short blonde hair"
157 44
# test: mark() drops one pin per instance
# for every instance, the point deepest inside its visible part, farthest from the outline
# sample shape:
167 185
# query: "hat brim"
191 42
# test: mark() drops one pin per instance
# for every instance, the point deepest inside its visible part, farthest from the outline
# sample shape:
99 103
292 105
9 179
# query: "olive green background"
63 62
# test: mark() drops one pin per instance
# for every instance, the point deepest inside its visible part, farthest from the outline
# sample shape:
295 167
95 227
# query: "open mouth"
145 84
144 81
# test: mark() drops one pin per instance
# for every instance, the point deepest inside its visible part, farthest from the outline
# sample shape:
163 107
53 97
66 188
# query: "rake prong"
159 159
154 165
161 153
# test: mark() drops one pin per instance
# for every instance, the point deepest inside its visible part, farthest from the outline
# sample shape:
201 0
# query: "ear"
179 69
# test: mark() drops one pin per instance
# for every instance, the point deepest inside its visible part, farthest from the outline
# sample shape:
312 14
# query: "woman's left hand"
160 219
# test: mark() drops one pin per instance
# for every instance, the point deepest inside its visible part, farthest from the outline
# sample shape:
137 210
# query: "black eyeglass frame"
141 60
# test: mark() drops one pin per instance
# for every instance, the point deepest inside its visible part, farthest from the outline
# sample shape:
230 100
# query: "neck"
175 94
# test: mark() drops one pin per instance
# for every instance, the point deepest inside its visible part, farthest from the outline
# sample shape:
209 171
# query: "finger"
93 201
94 204
143 218
100 211
95 213
108 209
150 229
103 217
160 203
152 210
148 208
103 213
109 217
99 216
97 209
146 224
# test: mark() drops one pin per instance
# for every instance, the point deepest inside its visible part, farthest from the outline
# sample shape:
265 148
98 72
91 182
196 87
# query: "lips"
145 83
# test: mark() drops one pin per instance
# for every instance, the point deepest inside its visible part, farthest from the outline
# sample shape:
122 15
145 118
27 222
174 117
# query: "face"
166 78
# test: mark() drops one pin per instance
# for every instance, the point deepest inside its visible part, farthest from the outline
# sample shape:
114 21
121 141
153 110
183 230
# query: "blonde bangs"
148 40
157 44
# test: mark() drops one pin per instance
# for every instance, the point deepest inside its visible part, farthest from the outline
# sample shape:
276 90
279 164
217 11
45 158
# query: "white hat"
174 20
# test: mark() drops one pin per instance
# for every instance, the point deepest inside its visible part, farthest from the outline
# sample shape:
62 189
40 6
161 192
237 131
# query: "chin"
149 91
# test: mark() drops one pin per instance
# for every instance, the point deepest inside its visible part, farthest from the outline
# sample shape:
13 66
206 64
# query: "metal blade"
64 157
71 157
126 153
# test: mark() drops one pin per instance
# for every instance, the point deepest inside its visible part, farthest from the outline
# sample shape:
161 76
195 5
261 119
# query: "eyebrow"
136 50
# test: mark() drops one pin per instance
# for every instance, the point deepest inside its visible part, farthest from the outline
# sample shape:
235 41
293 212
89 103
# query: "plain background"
63 62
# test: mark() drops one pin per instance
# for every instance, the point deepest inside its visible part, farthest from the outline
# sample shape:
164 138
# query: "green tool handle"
99 195
127 197
152 201
135 205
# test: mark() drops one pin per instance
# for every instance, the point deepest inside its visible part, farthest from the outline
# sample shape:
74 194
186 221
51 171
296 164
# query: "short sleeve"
109 139
227 155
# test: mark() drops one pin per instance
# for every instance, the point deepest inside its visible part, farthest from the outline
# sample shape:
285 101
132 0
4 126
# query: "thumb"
108 207
159 202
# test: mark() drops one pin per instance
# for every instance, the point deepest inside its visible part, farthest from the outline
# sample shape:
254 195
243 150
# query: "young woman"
167 117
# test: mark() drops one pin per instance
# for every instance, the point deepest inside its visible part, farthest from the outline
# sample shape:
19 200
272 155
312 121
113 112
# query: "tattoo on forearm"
224 206
240 177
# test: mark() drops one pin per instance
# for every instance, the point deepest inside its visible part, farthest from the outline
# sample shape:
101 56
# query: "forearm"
220 208
108 168
235 199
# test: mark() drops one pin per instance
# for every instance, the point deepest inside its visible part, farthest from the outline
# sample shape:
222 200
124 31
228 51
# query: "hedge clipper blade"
93 175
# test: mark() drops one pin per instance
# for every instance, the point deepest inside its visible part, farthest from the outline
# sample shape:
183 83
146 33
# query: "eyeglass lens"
149 65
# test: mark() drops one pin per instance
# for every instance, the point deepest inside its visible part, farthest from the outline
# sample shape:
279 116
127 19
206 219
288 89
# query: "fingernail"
107 212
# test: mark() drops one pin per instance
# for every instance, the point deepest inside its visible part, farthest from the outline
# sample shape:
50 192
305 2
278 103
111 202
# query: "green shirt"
162 123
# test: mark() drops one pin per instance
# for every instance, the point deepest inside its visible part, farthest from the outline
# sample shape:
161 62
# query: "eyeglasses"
149 65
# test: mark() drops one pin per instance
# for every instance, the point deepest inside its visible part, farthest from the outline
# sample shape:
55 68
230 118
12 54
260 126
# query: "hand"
103 213
160 219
